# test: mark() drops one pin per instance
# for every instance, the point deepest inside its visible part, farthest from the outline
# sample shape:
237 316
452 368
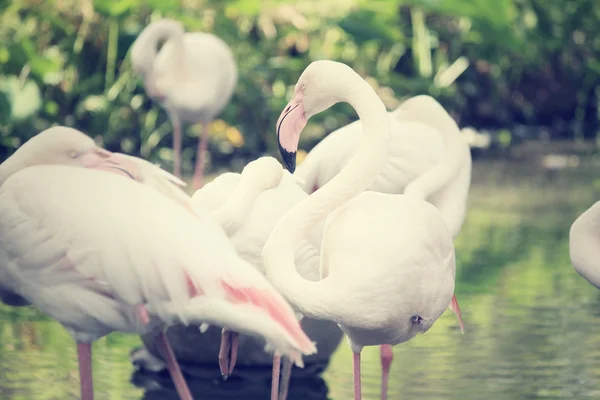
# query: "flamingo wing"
99 234
157 178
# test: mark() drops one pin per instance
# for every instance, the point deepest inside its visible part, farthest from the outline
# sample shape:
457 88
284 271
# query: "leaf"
365 25
498 13
115 8
25 101
164 5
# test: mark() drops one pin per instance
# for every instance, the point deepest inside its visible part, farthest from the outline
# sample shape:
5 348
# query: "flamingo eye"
72 153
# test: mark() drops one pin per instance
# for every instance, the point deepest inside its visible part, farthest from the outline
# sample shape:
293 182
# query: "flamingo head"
62 146
322 84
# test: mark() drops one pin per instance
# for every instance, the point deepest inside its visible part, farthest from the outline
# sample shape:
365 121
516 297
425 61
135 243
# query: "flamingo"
387 261
583 245
430 160
192 76
247 206
145 173
101 253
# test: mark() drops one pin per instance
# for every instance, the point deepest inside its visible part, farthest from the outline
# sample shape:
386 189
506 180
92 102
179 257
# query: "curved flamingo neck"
315 298
170 31
447 169
234 211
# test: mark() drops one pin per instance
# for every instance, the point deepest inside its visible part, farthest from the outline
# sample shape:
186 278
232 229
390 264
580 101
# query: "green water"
532 324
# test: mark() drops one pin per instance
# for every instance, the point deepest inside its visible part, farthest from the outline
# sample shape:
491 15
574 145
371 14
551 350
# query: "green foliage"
492 64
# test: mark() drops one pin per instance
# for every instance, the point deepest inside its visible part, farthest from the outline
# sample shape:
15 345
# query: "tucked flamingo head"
321 85
145 49
60 146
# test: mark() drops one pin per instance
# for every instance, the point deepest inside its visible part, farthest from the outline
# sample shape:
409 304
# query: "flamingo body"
93 290
583 245
260 216
76 242
414 274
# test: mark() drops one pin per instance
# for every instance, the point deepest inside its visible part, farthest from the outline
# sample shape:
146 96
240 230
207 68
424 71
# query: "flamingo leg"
228 352
275 376
387 355
84 356
285 378
456 310
176 122
356 373
200 156
167 352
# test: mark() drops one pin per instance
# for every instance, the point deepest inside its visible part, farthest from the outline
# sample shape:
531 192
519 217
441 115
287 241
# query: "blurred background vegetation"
521 68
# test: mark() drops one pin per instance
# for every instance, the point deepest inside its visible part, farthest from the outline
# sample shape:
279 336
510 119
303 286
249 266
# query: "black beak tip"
289 159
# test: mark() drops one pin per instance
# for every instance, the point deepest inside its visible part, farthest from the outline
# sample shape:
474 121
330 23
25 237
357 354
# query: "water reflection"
531 322
254 385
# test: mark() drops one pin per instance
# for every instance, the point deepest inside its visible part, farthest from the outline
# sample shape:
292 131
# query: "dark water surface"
532 324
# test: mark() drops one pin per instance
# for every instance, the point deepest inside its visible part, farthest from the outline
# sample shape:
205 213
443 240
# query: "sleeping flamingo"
99 252
193 76
247 206
583 245
146 173
387 261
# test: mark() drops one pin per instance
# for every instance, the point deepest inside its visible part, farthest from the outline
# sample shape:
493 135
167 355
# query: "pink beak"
102 159
289 126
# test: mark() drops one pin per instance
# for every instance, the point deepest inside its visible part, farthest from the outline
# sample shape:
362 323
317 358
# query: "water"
531 322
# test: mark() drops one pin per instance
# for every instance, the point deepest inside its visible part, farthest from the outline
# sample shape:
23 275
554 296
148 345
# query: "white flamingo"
583 245
138 169
247 206
429 159
101 253
193 76
387 261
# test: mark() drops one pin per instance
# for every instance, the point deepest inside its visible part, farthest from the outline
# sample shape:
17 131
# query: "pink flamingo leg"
275 376
176 122
356 362
201 154
167 352
286 375
84 355
387 355
228 352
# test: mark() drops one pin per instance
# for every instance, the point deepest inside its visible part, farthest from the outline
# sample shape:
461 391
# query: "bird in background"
247 206
193 76
76 243
387 260
583 245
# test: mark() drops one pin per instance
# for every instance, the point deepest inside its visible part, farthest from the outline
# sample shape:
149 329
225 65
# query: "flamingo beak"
102 159
94 157
456 310
289 126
